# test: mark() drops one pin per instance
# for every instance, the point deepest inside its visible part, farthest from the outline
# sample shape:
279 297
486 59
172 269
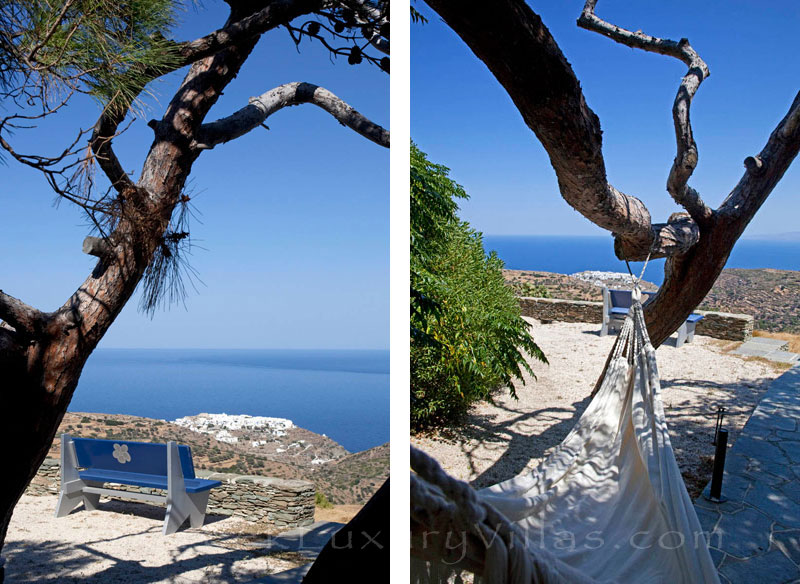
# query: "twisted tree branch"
686 159
260 108
529 64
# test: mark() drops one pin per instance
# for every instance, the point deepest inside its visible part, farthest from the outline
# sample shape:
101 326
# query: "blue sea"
570 254
342 394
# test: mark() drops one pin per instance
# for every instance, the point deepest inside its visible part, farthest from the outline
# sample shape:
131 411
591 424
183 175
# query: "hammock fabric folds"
608 505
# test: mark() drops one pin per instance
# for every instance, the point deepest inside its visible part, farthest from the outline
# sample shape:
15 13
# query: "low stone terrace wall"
272 501
719 325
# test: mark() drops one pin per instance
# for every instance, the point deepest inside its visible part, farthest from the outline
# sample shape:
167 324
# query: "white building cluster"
221 425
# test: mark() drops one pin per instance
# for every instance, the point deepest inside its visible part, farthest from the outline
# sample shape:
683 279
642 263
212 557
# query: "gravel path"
500 441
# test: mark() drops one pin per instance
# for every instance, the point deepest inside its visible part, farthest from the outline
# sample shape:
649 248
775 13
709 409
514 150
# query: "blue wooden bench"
88 463
615 307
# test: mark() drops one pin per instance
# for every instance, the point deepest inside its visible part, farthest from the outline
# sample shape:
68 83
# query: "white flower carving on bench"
121 453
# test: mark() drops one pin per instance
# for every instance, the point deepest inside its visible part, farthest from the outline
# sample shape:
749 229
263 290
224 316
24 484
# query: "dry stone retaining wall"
719 325
273 501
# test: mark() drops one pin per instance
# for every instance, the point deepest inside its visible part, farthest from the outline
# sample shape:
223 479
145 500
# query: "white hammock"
608 505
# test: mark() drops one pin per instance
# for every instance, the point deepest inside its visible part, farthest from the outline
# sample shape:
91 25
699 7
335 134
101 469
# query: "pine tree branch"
260 108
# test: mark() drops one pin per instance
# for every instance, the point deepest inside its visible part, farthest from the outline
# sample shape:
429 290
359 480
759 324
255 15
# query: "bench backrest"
142 457
622 298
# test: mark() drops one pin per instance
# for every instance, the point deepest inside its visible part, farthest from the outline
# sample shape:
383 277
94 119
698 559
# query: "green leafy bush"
321 501
530 290
467 335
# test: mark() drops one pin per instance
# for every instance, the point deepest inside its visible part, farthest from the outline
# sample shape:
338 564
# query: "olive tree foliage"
467 335
524 57
113 51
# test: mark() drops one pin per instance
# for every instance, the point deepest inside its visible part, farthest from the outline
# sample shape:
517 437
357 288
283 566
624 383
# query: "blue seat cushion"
618 310
695 318
144 480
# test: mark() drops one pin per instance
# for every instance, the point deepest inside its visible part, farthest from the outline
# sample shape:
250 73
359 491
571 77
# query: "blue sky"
292 228
463 119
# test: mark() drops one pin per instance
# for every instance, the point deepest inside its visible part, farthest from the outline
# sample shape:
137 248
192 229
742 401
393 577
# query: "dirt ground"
121 542
337 513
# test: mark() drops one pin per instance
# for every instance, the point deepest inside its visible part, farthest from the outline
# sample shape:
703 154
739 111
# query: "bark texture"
516 46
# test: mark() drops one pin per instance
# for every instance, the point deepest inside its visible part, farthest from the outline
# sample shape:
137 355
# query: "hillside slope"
771 296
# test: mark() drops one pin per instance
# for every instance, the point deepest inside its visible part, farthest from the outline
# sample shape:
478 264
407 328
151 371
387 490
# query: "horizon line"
758 236
241 349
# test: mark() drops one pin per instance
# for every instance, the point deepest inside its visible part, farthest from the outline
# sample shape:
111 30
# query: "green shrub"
467 335
530 290
321 501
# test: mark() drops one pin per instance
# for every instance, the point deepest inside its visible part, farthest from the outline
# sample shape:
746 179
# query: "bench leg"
185 506
180 504
71 490
682 334
606 310
176 515
67 502
690 331
91 500
198 513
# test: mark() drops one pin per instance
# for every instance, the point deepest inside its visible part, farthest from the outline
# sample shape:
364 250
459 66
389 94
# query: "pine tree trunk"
41 367
31 413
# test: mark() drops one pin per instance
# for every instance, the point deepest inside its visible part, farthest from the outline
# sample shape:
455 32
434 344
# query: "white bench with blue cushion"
615 307
88 463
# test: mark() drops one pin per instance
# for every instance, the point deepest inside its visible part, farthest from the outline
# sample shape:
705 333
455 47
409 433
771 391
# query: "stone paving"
772 349
755 534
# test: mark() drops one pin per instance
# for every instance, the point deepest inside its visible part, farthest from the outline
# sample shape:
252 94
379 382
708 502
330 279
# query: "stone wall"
719 325
553 309
272 501
47 479
280 502
725 325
